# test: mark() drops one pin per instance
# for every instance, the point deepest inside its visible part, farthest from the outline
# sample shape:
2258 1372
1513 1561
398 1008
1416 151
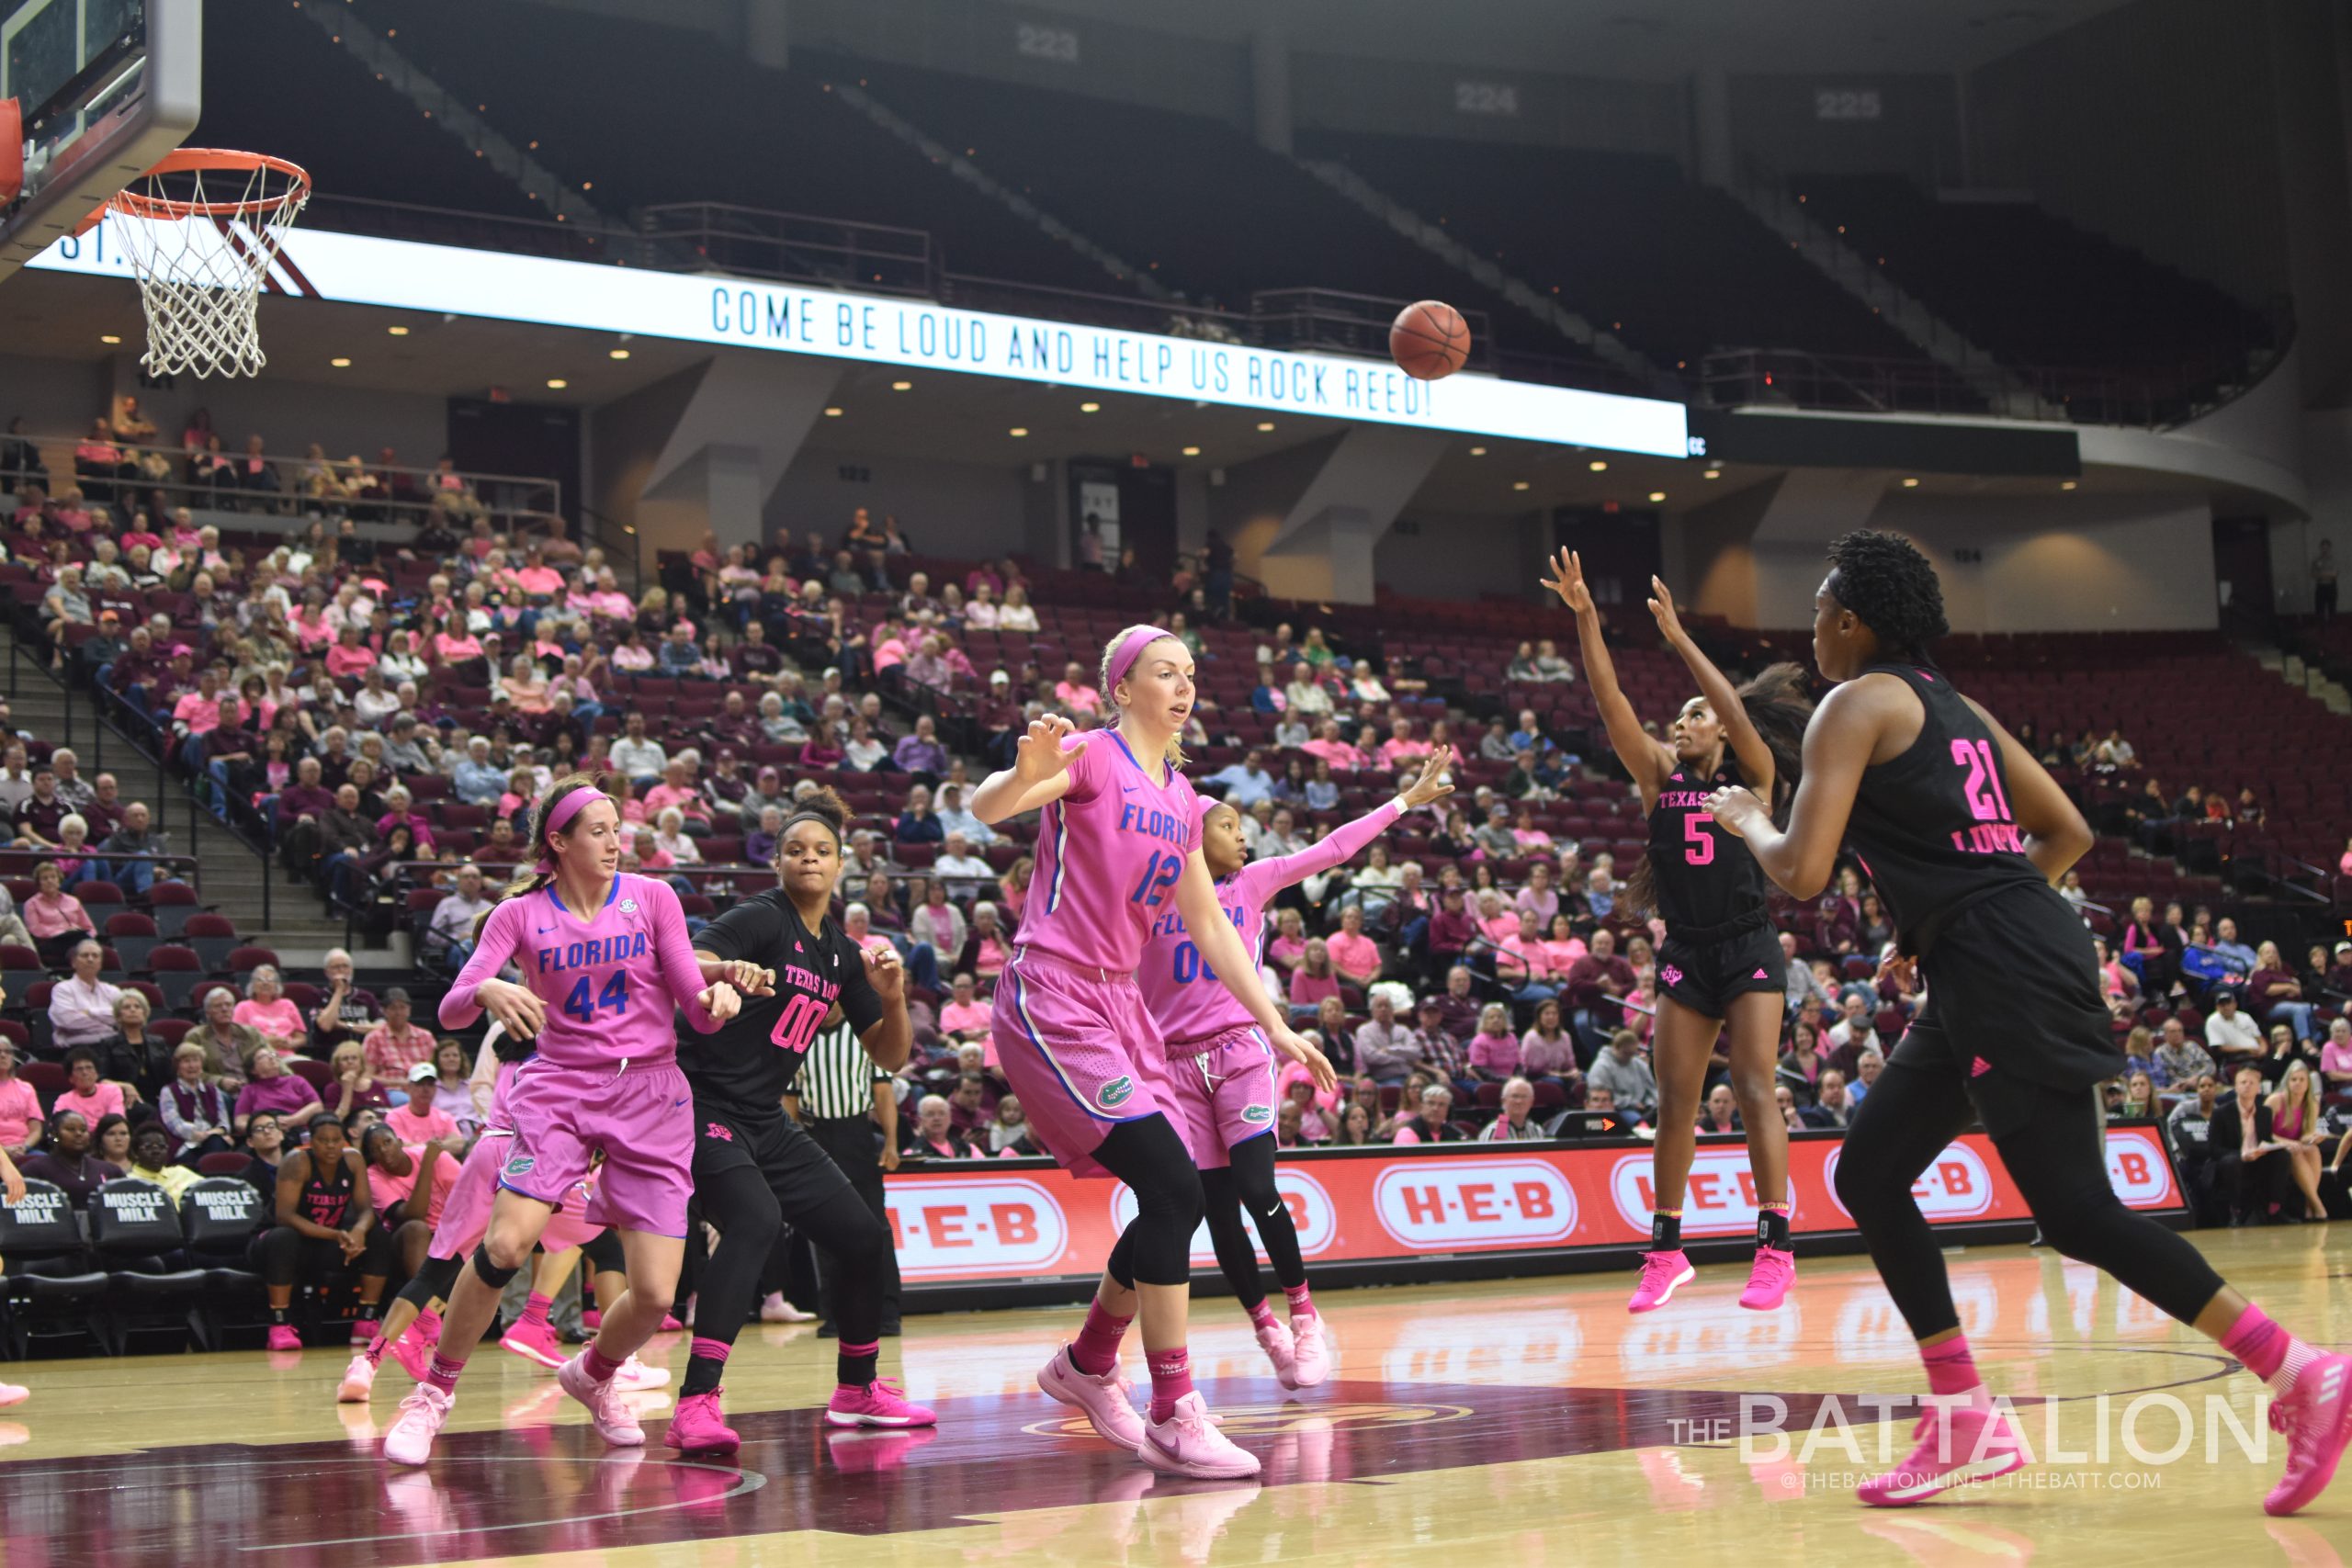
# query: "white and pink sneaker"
1311 1355
1663 1273
613 1421
358 1379
635 1377
1188 1443
882 1403
1276 1341
411 1439
1104 1399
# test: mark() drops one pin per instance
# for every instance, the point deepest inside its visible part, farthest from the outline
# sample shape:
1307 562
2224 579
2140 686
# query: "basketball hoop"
201 231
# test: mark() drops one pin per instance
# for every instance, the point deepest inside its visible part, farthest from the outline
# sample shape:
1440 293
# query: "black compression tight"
432 1282
1157 1247
742 1205
2056 1158
1248 1182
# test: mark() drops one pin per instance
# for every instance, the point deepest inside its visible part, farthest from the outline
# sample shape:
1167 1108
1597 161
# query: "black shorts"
799 1171
2013 1007
1706 975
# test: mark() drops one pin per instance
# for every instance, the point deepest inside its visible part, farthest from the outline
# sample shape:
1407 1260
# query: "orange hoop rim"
201 159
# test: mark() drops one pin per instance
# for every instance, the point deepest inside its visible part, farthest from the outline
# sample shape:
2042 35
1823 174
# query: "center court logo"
1312 1215
1721 1199
1472 1204
1955 1185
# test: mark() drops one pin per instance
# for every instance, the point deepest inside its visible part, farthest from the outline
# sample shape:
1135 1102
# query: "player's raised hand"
1567 582
1662 607
888 974
1737 811
522 1015
1298 1049
1433 783
1041 759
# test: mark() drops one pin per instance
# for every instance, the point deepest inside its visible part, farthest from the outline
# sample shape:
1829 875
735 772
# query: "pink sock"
535 1312
2268 1351
1951 1372
1302 1304
1172 1380
709 1350
443 1374
1096 1349
599 1366
428 1322
1261 1316
375 1348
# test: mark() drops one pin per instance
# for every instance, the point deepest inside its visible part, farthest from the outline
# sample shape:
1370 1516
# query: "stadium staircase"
1818 243
231 878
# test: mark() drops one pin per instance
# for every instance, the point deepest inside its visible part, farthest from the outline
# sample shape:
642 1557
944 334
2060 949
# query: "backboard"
103 89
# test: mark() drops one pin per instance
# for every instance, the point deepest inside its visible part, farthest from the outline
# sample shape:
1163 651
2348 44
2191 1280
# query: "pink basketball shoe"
1312 1355
1953 1448
1769 1281
1663 1273
535 1342
700 1427
882 1403
1104 1399
411 1439
1188 1443
2316 1416
1274 1340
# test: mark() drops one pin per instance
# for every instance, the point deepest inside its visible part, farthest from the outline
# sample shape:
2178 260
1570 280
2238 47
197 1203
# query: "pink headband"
561 812
1132 642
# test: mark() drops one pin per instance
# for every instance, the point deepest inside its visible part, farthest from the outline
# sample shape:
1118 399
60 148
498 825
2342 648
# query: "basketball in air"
1428 339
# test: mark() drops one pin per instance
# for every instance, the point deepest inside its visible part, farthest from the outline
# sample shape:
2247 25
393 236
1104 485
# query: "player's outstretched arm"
1646 758
1222 949
1739 730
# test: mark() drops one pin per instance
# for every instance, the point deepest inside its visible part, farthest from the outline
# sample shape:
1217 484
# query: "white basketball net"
202 256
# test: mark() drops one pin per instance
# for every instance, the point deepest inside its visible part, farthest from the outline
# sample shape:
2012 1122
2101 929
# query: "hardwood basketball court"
1522 1421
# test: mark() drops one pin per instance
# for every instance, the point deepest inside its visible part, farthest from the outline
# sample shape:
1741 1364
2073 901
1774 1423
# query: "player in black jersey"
1963 835
1721 961
756 1167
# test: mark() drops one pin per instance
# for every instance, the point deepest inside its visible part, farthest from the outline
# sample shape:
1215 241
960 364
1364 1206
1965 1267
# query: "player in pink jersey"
604 955
1223 1073
576 1230
1118 845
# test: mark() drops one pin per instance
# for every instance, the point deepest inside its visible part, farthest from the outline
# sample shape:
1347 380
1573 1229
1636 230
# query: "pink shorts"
465 1212
1082 1052
639 1117
1223 1087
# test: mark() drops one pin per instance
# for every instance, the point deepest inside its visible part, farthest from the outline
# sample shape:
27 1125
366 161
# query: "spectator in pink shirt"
1493 1052
676 789
1355 955
20 1117
1075 691
1313 980
84 1091
1288 948
965 1019
1497 922
348 656
198 713
1434 1124
1328 745
2335 1061
1400 748
420 1121
269 1013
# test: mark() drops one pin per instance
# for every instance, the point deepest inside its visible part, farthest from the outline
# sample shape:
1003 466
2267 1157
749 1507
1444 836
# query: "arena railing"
522 502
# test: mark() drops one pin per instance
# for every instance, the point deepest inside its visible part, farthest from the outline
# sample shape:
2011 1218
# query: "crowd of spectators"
380 715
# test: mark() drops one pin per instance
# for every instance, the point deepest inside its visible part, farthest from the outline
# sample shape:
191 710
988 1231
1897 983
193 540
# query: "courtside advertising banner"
975 1220
360 269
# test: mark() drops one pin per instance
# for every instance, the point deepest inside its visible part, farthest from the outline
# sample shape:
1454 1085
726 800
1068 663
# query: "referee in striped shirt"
851 1109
